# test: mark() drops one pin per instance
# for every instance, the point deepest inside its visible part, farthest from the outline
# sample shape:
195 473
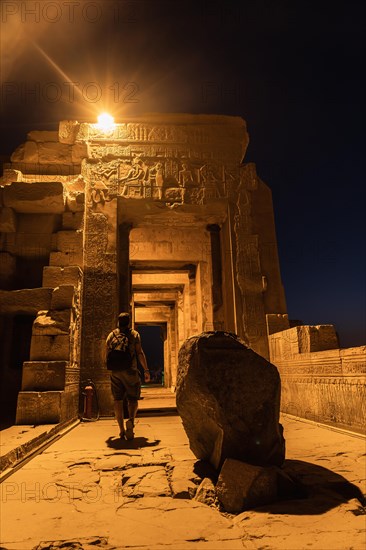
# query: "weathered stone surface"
183 479
206 492
68 130
72 220
51 151
36 197
27 152
243 486
324 386
26 301
44 375
42 135
75 202
145 481
8 220
62 297
56 276
65 259
38 407
229 398
79 151
52 322
46 407
69 241
50 348
10 176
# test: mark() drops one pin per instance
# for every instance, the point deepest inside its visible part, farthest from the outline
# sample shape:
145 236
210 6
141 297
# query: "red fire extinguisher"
88 401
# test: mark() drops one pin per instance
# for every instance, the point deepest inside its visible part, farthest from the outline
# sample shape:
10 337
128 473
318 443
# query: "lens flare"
105 122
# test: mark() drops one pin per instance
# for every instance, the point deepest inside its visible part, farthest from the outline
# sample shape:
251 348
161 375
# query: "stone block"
79 151
52 322
50 348
51 151
183 479
68 130
317 338
75 202
42 135
44 375
39 223
10 176
229 400
39 407
8 220
206 492
35 198
56 276
62 297
243 486
72 220
65 259
69 241
27 301
303 339
27 153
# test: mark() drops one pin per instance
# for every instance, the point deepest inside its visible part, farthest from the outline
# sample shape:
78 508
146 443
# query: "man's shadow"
314 490
137 443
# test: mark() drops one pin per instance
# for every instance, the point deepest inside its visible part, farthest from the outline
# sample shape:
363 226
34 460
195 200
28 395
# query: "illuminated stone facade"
159 216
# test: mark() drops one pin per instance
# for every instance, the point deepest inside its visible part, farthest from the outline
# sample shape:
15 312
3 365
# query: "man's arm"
142 358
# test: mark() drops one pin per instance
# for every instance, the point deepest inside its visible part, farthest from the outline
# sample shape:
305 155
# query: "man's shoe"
129 430
122 434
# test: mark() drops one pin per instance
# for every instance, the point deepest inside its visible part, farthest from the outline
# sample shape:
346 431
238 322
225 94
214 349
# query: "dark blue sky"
292 69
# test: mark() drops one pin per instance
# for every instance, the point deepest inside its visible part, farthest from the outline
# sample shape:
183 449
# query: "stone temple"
157 215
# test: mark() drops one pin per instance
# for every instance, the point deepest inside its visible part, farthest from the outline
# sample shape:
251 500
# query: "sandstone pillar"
100 295
124 271
217 298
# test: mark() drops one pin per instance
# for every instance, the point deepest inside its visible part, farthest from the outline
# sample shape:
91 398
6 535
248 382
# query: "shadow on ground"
137 443
316 491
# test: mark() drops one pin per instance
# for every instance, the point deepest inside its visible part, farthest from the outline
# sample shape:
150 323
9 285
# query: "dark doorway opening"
152 340
15 341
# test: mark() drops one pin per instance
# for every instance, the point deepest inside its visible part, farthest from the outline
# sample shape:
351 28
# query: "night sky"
292 69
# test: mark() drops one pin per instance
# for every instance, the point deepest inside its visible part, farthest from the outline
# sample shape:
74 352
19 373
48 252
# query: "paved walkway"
93 490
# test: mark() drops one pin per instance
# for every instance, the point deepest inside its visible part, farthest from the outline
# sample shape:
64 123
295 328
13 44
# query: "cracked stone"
145 481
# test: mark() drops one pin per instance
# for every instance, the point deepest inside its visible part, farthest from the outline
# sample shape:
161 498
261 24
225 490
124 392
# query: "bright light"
105 122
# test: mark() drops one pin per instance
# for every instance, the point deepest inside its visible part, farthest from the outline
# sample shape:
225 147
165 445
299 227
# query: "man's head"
123 320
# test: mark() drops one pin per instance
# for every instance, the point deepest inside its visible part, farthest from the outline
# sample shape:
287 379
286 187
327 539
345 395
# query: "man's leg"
132 410
119 394
118 411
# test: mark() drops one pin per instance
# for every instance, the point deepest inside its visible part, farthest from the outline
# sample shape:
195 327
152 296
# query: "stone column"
100 293
216 268
124 271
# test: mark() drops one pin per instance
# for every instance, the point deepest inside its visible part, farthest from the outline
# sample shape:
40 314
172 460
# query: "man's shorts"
126 383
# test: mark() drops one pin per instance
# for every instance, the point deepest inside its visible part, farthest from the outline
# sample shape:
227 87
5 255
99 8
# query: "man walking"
124 345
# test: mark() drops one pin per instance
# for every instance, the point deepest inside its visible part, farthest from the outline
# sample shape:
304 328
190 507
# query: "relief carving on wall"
171 181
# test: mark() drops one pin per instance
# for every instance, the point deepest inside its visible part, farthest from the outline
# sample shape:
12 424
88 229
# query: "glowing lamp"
105 122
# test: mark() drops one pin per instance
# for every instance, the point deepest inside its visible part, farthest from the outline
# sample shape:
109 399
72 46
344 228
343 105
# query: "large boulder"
228 397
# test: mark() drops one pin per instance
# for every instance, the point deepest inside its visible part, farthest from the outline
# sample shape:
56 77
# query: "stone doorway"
15 344
153 338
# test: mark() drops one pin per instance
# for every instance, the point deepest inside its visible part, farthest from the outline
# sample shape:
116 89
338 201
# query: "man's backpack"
119 356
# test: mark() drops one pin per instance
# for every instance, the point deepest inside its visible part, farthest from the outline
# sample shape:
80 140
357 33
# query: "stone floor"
93 490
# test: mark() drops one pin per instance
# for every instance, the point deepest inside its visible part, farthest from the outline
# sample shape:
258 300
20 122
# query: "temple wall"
321 382
85 212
